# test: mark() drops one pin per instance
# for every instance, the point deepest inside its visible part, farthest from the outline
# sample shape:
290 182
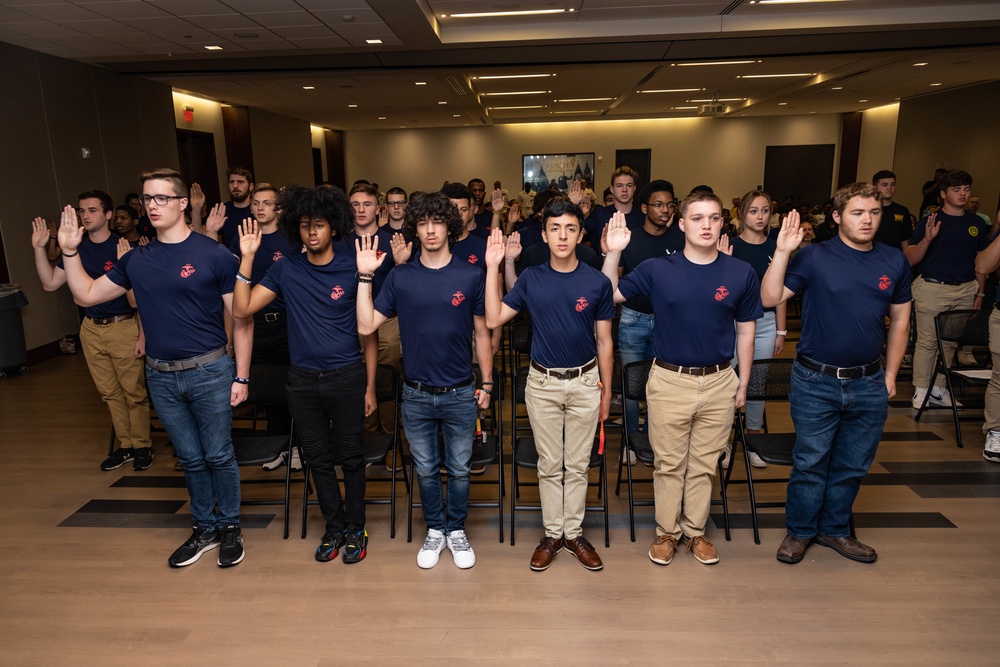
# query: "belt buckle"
847 374
271 317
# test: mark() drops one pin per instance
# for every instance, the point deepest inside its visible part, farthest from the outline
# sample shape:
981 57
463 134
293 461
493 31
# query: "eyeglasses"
395 204
161 200
662 205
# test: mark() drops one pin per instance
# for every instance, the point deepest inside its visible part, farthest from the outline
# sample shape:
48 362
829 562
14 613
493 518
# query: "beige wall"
878 140
282 148
726 153
53 109
318 140
207 118
957 129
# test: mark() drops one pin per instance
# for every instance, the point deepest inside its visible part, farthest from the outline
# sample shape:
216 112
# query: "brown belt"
692 370
111 320
568 374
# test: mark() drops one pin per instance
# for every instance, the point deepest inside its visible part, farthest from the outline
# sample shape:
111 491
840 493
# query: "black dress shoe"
848 547
792 549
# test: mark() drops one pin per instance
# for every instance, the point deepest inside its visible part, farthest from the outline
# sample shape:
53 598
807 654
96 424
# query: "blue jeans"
193 406
837 426
763 348
635 343
454 412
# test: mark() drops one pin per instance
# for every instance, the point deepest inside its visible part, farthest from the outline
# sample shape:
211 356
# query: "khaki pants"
389 354
992 416
563 416
929 299
689 422
119 377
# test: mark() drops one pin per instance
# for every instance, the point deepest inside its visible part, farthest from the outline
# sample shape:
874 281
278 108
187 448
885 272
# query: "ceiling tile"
330 42
62 11
303 32
277 19
130 9
223 22
191 7
256 6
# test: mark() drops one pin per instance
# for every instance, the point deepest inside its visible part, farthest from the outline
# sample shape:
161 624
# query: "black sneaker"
143 458
200 541
330 545
231 551
356 545
118 458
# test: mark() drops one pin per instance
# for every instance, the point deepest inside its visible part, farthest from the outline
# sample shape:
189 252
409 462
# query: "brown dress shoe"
792 549
585 553
703 550
545 552
661 551
849 547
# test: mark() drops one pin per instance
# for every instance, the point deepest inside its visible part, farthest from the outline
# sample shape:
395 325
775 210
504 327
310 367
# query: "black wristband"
239 380
73 255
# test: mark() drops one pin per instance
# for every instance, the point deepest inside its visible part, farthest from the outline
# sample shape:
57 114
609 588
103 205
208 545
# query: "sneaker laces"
458 541
230 536
583 544
432 542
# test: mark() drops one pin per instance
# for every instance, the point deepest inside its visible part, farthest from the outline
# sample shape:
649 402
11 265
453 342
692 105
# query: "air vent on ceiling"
712 109
456 85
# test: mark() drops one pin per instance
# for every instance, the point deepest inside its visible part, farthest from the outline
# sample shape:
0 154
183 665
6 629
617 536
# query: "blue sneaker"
330 545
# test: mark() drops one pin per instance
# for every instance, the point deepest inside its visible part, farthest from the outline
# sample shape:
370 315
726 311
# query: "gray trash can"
13 355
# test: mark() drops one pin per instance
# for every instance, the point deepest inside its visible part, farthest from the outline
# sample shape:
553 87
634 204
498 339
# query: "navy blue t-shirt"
846 295
951 256
320 302
98 259
645 246
178 288
695 305
539 254
483 221
757 255
530 231
273 247
601 216
563 308
471 249
348 247
436 309
234 218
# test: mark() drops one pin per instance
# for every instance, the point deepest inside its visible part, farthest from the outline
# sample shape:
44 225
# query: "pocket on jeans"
800 372
628 319
536 379
218 367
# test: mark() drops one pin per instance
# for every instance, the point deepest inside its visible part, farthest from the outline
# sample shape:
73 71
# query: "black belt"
692 370
111 320
945 282
567 374
185 364
848 373
268 317
420 386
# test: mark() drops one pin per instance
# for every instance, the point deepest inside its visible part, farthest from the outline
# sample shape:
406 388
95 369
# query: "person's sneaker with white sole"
461 550
991 451
941 397
430 552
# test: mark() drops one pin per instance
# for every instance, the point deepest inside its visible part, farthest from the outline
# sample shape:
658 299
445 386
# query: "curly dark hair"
433 206
328 203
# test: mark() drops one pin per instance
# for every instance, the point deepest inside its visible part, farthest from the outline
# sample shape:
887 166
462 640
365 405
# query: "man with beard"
238 207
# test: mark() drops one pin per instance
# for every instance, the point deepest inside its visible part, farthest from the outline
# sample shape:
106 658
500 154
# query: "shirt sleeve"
119 274
385 302
606 306
226 269
636 281
902 293
918 232
750 308
480 306
515 297
272 278
797 274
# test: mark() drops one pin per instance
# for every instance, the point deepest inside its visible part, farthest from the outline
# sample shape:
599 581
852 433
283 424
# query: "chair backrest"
520 337
386 383
964 327
634 376
267 385
770 380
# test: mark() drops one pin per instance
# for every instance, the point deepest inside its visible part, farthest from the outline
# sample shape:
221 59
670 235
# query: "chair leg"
409 506
725 502
392 496
753 497
631 502
513 496
604 483
288 488
305 497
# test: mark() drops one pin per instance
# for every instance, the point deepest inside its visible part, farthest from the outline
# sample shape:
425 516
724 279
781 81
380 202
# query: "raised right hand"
39 233
575 192
791 233
70 231
513 249
933 226
401 250
368 259
216 218
249 237
197 198
495 249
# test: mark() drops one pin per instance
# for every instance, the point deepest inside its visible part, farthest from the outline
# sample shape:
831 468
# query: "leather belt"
848 373
945 282
111 320
692 370
268 317
567 374
420 386
185 364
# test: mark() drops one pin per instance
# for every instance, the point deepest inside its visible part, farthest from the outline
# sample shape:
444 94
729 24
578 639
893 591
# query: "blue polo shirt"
695 305
645 246
178 288
98 259
320 303
846 294
435 309
951 256
563 308
273 247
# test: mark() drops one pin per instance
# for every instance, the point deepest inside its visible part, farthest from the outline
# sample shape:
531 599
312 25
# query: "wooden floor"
87 583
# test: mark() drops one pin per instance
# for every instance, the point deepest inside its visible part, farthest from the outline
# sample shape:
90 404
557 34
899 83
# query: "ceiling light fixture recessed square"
373 41
523 12
308 87
213 47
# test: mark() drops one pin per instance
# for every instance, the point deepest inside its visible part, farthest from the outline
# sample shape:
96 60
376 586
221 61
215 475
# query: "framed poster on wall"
558 169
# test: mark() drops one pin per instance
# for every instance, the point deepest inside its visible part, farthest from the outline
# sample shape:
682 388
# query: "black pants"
270 346
318 399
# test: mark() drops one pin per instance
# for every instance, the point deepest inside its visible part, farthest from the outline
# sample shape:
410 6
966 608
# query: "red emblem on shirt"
721 293
884 283
108 265
473 259
276 256
457 298
337 292
186 270
581 304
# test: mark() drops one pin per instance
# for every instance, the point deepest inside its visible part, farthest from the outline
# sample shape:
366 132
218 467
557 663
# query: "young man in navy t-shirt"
327 381
840 392
568 301
110 335
706 304
623 193
944 245
438 298
183 283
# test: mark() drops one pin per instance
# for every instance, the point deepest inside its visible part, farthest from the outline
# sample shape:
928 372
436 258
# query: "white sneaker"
632 458
918 397
942 397
991 452
296 459
461 551
726 458
756 461
429 554
277 463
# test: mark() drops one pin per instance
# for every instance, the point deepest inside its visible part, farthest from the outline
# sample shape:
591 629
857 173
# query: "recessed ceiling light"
213 48
717 62
674 90
525 12
683 108
352 106
308 87
456 115
518 92
512 76
775 76
935 84
420 83
837 88
578 111
381 117
919 64
535 106
720 99
862 101
373 41
442 103
790 2
587 99
782 104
